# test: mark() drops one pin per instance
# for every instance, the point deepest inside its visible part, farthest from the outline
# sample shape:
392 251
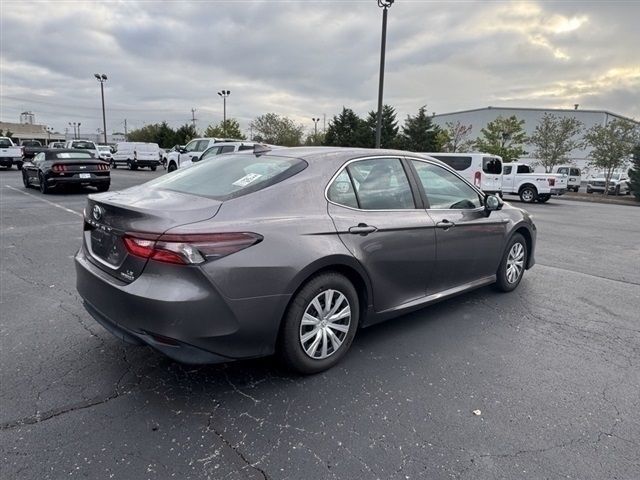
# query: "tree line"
552 140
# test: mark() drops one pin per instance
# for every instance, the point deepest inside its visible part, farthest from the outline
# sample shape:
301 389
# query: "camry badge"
97 212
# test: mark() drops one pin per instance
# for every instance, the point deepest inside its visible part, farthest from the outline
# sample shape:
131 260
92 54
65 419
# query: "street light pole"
384 4
224 94
78 129
102 78
315 127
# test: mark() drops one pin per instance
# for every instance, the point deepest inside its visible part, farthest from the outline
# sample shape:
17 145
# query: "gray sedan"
291 251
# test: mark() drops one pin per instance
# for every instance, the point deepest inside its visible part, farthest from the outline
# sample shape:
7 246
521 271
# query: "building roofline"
536 109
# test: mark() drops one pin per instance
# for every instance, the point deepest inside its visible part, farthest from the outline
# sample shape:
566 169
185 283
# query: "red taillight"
103 166
552 181
59 167
477 178
188 249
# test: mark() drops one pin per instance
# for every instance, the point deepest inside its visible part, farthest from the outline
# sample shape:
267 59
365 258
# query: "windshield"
84 145
229 176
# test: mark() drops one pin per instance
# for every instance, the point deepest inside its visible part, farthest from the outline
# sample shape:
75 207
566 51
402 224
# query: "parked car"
291 251
10 154
218 149
86 145
59 167
574 177
484 170
104 153
520 179
192 150
30 148
137 154
618 184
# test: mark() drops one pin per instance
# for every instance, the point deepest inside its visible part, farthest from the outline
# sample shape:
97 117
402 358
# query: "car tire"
172 167
153 168
44 188
577 189
616 192
513 264
589 190
25 179
114 165
296 343
19 165
543 198
528 194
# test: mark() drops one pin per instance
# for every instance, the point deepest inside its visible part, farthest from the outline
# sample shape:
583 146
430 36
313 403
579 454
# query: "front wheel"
320 324
172 167
19 165
513 263
577 189
25 179
528 195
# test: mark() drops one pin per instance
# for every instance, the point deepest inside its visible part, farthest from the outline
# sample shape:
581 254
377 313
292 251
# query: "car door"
508 178
191 150
32 171
468 241
379 219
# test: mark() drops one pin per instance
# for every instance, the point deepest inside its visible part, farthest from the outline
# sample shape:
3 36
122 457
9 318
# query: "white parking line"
57 205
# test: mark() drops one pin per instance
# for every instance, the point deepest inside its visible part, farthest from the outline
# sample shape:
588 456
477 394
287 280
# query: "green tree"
345 130
278 130
419 134
611 146
366 133
553 139
148 133
505 137
9 134
185 133
634 172
455 137
314 139
230 129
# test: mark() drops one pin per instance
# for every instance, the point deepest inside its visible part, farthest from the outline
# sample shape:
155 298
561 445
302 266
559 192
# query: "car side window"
445 190
575 172
191 146
211 152
523 169
38 158
563 170
341 191
506 170
227 149
202 145
381 184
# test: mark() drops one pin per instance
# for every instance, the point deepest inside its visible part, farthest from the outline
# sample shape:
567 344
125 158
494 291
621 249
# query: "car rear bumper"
178 311
558 191
95 180
146 163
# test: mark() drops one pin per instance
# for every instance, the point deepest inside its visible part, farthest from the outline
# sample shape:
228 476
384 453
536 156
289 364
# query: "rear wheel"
528 194
543 198
320 324
513 263
44 188
153 168
103 187
19 165
25 179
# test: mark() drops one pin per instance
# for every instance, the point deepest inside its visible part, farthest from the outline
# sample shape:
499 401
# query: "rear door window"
457 163
506 170
523 169
491 165
227 149
229 176
341 191
381 184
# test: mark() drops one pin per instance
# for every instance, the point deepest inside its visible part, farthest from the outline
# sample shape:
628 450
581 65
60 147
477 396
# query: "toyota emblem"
97 212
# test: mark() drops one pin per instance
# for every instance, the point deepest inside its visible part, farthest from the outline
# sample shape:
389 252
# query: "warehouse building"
479 118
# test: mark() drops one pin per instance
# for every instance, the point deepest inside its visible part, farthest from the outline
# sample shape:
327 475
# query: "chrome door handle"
445 224
362 229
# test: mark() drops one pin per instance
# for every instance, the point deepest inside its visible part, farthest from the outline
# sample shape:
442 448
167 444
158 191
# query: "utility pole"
125 130
224 94
78 129
193 118
384 4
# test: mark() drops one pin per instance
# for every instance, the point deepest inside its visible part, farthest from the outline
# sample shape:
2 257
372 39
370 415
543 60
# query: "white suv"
192 150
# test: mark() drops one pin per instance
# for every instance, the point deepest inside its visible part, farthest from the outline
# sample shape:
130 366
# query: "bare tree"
455 137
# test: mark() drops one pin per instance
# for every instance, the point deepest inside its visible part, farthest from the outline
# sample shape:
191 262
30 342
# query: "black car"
31 148
55 167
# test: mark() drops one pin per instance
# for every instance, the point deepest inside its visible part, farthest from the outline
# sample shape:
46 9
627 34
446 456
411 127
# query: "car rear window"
65 155
230 176
491 165
457 163
83 145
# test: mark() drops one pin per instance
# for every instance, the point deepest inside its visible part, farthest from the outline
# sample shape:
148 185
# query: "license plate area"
85 175
107 246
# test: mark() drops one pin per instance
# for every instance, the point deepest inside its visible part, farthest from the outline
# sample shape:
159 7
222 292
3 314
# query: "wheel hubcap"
515 262
325 324
527 195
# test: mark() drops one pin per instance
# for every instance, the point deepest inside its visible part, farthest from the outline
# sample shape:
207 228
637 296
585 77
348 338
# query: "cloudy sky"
307 58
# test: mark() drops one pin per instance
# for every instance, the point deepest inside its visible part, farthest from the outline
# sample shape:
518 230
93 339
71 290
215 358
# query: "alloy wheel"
515 262
527 195
325 324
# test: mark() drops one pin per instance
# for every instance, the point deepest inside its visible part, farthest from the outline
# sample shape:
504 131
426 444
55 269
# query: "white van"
484 170
575 177
136 154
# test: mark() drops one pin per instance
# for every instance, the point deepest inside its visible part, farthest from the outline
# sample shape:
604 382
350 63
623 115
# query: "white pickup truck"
520 179
10 154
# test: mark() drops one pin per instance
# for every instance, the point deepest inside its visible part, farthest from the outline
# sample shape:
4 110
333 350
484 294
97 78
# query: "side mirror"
491 203
195 158
182 150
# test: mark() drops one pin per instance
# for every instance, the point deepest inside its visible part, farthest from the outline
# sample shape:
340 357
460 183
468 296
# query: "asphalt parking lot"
554 368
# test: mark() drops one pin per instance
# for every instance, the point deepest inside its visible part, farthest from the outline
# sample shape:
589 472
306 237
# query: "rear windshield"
457 163
84 145
229 176
31 143
65 155
147 148
491 165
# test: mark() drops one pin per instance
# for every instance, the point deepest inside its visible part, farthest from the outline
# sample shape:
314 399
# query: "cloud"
303 59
